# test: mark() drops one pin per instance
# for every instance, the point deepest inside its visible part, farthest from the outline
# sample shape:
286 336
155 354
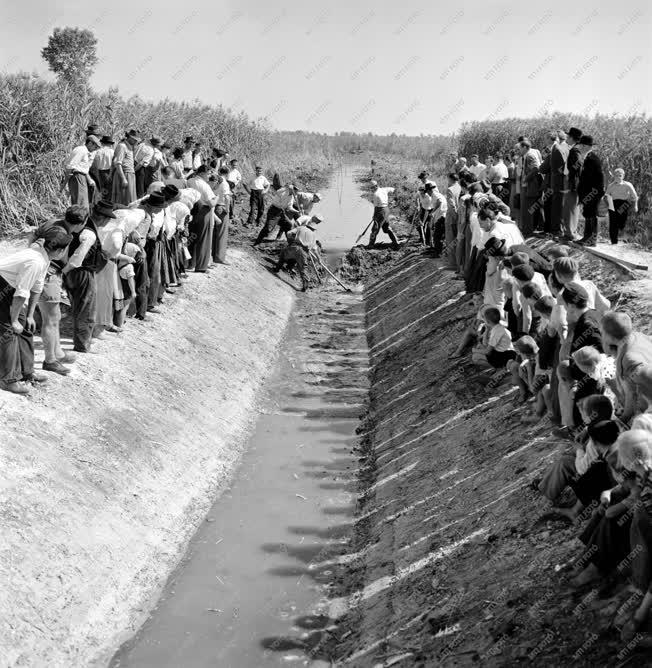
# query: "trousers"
256 206
80 284
16 350
570 213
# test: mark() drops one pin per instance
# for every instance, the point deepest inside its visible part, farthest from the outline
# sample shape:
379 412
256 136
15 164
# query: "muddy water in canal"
252 588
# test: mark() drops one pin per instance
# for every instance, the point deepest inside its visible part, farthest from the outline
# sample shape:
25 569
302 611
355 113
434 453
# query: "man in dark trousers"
590 189
86 258
571 208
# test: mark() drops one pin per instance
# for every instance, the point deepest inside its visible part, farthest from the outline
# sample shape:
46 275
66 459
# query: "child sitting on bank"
524 369
586 471
496 348
599 367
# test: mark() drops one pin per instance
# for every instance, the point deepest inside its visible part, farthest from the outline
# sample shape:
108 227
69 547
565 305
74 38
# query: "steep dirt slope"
106 474
451 562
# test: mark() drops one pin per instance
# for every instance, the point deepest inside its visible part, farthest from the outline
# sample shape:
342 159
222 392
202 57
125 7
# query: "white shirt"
179 212
103 157
499 173
305 201
131 219
170 221
189 196
25 270
206 195
86 239
80 160
259 183
143 154
234 176
186 159
197 161
476 170
381 196
283 198
223 192
440 199
158 220
500 339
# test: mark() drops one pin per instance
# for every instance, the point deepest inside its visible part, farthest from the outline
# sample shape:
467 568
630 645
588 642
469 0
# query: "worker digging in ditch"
381 215
302 241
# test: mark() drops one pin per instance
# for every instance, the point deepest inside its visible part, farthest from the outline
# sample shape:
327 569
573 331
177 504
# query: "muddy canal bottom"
253 587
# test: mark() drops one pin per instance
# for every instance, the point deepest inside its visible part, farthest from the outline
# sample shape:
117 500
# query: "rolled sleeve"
86 240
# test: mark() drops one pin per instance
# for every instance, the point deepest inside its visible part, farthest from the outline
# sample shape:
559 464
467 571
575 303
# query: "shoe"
15 388
201 271
304 289
170 291
184 275
224 262
98 337
81 350
113 329
153 309
35 378
563 432
56 367
68 358
140 317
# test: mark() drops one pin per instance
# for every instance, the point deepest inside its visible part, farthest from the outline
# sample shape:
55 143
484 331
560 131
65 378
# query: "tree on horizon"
71 53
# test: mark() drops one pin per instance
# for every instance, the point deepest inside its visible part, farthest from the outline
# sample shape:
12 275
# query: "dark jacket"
558 156
96 258
574 166
591 184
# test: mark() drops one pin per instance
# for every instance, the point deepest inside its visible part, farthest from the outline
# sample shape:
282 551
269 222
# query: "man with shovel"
380 200
302 241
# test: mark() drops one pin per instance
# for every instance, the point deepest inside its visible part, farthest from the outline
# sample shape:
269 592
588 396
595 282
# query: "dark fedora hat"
134 134
170 192
106 140
188 139
93 129
104 208
156 199
586 140
575 134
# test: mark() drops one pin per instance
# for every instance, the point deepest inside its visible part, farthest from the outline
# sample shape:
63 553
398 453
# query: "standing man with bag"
77 174
86 258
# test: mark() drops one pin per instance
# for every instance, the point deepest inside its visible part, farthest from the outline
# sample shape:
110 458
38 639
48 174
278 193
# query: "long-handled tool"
365 230
314 266
328 271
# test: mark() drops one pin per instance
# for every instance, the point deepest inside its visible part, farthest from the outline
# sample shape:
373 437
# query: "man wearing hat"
147 164
77 171
590 189
380 199
219 159
86 258
186 156
234 179
101 167
257 188
304 202
124 177
570 206
302 240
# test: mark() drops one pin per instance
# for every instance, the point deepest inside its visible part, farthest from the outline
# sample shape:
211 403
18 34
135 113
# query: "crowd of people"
573 357
142 215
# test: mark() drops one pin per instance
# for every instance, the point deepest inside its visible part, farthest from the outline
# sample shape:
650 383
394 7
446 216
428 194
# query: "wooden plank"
606 256
610 258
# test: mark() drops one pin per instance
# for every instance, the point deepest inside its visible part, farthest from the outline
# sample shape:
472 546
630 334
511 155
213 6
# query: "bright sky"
408 67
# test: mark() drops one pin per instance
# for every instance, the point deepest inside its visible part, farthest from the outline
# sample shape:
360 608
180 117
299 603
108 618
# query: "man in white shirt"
436 232
281 210
257 189
187 156
476 167
147 164
77 171
101 166
301 242
222 208
22 276
380 199
234 179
